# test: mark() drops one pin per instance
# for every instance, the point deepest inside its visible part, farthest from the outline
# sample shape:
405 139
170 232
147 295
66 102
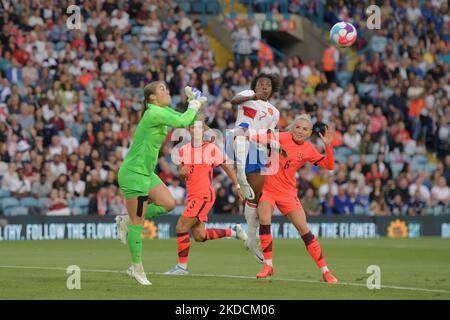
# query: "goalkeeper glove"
196 98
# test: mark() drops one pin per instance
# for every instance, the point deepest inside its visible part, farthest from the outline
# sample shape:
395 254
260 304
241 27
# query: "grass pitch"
222 269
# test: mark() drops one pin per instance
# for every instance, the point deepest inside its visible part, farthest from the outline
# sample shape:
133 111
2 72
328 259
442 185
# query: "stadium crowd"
70 101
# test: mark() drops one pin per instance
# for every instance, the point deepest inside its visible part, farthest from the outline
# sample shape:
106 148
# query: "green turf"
413 263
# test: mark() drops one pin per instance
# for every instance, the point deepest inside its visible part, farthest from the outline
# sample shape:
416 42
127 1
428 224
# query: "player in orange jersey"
198 160
280 189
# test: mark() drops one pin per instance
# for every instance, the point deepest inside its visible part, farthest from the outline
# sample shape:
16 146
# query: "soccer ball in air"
343 34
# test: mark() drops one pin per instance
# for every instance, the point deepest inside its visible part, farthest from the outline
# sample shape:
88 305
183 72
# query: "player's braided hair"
274 80
149 89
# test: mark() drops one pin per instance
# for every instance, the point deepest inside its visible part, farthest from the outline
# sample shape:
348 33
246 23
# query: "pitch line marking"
233 277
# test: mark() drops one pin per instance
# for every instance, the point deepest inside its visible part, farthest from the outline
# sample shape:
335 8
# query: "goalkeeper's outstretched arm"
174 119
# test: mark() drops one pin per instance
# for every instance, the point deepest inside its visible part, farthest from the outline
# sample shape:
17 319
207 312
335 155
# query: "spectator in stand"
398 207
373 175
328 188
424 192
69 141
116 202
61 182
342 203
310 203
9 176
222 205
440 194
165 174
416 205
98 203
41 188
93 184
59 206
352 138
328 207
379 209
19 186
362 204
75 186
178 192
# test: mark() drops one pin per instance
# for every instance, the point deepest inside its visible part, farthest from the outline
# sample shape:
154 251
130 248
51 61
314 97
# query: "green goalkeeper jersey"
150 134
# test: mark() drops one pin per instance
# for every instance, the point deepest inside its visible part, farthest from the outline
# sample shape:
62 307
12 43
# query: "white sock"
268 262
138 267
324 269
233 233
182 265
251 216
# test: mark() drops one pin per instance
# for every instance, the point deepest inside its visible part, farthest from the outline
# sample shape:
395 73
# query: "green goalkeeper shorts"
134 184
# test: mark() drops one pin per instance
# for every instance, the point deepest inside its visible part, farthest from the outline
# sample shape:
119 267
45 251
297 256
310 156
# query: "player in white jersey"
255 113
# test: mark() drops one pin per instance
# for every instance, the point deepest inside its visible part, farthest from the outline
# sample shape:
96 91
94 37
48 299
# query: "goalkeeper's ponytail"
149 89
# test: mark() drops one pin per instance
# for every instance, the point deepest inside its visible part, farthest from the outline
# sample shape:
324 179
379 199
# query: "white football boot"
178 270
136 271
240 233
122 223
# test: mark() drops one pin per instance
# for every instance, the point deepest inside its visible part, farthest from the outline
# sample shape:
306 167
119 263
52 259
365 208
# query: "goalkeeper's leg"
123 221
136 207
151 210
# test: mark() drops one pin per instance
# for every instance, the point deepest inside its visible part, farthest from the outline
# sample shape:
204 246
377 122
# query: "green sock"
154 211
135 242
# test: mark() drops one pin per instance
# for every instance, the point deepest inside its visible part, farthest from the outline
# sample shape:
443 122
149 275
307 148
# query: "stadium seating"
60 46
185 5
355 158
153 46
16 211
9 202
127 39
44 202
4 193
28 202
396 169
136 30
178 210
212 7
371 158
176 99
82 205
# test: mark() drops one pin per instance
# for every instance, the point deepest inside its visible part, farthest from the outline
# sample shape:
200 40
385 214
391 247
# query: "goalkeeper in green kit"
146 195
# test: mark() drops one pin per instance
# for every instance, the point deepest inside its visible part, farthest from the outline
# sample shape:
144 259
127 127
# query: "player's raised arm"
245 96
326 162
246 114
169 117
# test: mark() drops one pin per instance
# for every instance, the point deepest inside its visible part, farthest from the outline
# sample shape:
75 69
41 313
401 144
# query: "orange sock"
313 247
266 242
213 234
184 245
